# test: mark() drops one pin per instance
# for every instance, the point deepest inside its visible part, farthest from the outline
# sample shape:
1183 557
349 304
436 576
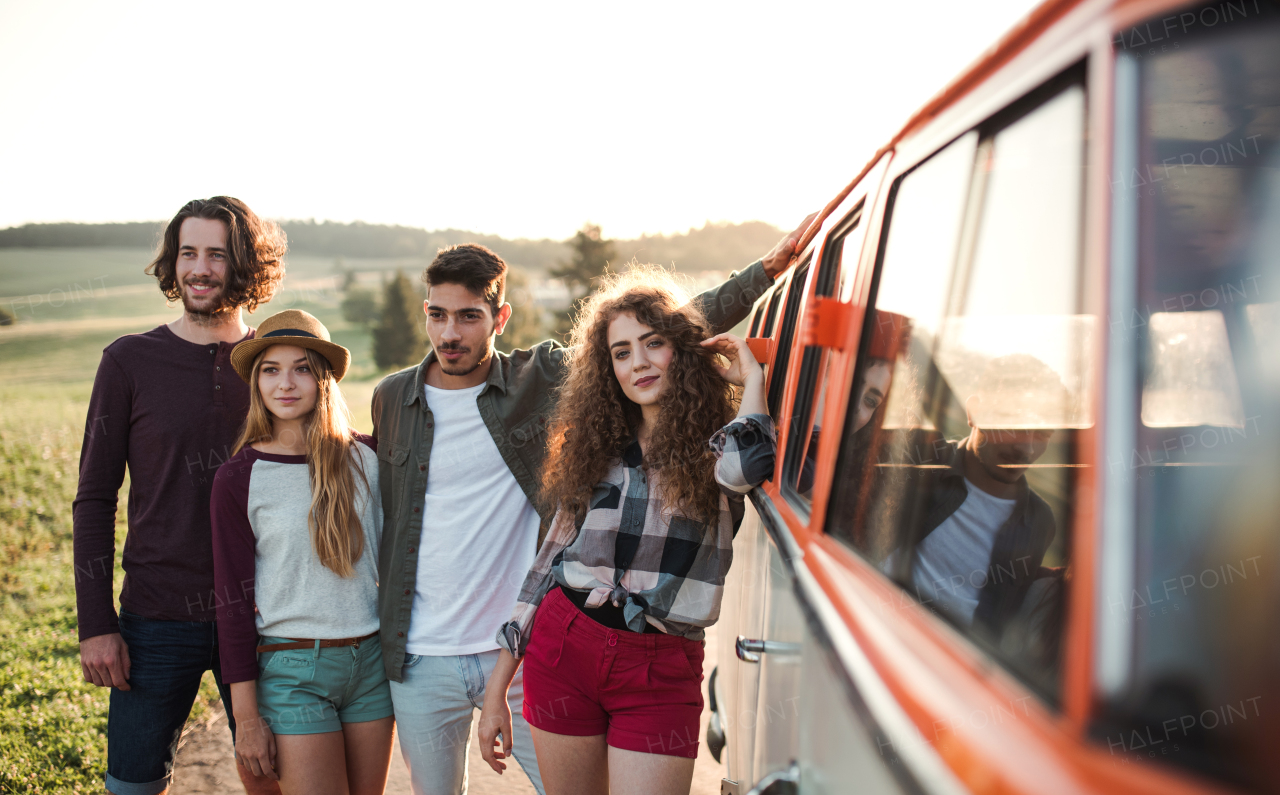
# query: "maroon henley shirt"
170 410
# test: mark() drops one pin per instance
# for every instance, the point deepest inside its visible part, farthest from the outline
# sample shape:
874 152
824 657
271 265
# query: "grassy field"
52 723
70 304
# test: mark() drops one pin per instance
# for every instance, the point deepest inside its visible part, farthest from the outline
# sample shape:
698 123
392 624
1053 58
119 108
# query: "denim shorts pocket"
264 662
411 660
272 660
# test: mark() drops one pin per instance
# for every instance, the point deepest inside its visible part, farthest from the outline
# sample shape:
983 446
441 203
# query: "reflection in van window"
959 483
1202 458
1190 376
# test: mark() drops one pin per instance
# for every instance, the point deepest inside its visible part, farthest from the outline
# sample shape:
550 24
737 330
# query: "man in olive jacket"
475 421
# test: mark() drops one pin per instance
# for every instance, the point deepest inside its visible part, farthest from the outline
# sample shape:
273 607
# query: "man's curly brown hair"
594 420
255 252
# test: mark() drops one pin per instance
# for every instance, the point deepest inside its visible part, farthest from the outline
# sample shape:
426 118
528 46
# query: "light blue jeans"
433 708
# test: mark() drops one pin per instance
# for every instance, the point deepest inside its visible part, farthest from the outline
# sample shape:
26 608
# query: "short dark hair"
255 250
474 267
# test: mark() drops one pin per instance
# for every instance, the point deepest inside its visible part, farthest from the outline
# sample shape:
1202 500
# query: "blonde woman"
295 545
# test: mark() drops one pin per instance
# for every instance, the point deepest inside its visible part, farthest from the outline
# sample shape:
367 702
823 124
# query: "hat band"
290 332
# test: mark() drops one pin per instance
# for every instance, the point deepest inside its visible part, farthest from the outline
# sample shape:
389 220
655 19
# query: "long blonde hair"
336 532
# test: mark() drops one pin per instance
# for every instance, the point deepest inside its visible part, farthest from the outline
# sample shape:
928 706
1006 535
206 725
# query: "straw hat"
290 327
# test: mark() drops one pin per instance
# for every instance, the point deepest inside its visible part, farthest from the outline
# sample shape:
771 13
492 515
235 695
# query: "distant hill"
716 246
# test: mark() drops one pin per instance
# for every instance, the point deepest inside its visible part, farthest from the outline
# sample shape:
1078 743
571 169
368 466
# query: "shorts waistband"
289 644
563 612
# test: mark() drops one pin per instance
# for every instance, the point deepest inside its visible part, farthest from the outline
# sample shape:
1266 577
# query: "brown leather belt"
304 643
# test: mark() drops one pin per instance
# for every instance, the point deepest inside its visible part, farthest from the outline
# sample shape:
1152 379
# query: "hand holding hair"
742 363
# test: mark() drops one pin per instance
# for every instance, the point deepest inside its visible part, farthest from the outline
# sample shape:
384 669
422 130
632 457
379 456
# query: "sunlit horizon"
511 120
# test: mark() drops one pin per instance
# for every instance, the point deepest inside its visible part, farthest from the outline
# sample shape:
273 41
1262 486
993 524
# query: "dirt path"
206 767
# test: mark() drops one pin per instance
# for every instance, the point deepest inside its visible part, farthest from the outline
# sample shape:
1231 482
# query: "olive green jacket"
515 404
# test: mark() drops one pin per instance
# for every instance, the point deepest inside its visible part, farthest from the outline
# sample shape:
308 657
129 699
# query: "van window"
1197 444
771 314
756 317
789 320
963 476
923 230
840 259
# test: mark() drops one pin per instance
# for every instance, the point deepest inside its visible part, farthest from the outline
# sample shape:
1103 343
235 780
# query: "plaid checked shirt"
660 568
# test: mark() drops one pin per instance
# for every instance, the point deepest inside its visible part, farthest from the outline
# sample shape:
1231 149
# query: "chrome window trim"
1113 649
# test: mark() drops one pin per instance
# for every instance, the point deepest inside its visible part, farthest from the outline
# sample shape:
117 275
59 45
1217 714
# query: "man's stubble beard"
464 371
215 312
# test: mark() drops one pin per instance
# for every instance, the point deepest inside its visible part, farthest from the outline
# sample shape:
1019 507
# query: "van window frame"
771 310
802 409
790 317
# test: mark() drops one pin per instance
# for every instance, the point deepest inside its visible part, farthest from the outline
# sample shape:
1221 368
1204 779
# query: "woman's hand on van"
742 363
777 261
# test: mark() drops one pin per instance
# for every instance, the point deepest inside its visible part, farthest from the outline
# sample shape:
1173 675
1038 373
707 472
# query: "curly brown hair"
594 420
255 252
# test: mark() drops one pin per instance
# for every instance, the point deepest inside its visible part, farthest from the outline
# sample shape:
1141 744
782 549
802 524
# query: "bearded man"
167 405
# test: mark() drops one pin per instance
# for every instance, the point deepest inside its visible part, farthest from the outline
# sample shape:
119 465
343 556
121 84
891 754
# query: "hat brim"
243 354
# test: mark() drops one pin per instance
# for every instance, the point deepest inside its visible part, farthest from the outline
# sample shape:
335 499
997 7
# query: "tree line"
714 246
393 314
394 318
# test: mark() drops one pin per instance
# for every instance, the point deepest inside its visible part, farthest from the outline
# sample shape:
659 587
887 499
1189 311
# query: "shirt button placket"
217 387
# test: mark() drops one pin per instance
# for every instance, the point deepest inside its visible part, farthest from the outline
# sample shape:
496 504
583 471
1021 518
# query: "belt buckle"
356 643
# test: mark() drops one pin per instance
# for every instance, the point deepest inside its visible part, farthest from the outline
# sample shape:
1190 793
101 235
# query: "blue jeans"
433 708
167 660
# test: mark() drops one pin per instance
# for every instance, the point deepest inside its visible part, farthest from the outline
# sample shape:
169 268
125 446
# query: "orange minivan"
1024 528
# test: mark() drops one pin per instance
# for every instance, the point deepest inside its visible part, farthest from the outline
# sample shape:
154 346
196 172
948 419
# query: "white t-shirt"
479 534
951 563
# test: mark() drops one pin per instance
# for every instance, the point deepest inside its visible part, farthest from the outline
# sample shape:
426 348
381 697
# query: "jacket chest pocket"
392 452
531 431
392 475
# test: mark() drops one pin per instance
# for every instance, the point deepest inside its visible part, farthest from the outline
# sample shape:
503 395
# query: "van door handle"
749 650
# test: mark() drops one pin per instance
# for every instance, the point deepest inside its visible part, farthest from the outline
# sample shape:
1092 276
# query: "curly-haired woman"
296 532
633 569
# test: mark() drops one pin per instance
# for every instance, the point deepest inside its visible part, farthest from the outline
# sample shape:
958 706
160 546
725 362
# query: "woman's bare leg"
311 764
572 765
368 749
635 773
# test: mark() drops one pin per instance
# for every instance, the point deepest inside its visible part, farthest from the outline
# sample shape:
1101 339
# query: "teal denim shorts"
312 691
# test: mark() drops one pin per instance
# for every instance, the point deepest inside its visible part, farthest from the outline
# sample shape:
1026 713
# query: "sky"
516 119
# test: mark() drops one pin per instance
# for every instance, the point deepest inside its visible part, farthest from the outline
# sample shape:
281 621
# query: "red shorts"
582 679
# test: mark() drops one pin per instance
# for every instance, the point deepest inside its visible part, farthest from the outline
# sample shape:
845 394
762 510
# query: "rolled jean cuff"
118 787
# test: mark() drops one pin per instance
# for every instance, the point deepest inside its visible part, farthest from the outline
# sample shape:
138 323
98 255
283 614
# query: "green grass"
52 722
62 329
38 271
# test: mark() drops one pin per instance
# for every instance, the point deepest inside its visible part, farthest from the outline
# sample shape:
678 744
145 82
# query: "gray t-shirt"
264 558
950 565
